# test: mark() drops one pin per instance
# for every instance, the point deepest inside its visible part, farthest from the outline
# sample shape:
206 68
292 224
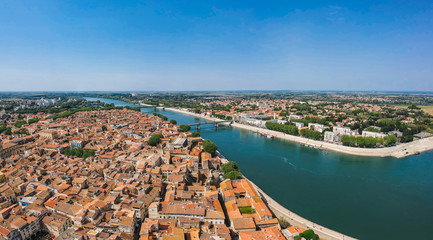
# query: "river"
364 197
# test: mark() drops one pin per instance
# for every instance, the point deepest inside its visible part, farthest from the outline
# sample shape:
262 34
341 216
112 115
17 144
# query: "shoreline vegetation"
399 151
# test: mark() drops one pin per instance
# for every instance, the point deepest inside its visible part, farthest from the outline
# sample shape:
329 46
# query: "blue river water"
364 197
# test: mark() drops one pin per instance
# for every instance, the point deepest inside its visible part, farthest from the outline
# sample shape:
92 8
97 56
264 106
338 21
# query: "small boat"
266 135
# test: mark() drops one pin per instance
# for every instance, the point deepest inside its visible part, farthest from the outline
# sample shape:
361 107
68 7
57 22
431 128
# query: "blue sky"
216 45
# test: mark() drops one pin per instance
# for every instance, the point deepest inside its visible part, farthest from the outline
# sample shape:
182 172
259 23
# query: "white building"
299 125
295 117
373 134
331 137
316 127
343 131
255 122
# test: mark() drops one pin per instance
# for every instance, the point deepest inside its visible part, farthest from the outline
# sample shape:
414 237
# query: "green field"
428 108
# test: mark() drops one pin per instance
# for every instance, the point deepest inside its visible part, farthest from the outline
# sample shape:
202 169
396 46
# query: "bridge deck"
204 123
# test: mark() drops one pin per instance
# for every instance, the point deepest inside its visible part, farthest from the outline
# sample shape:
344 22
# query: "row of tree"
367 141
160 116
316 135
222 116
285 128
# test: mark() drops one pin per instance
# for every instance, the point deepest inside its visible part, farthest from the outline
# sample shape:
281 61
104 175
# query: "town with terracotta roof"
100 175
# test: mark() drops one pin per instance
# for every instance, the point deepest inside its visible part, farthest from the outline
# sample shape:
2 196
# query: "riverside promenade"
399 151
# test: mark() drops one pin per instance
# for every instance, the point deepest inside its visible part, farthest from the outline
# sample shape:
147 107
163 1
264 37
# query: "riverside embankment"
398 151
293 218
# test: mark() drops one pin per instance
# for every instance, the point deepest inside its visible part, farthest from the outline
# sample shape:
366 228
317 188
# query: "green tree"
348 140
233 175
404 138
155 139
195 134
8 131
88 153
172 121
308 235
20 123
386 125
316 135
210 147
413 107
371 129
33 120
390 140
289 129
231 171
230 166
185 127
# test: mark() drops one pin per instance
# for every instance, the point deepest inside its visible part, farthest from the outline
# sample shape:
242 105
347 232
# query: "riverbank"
293 218
398 151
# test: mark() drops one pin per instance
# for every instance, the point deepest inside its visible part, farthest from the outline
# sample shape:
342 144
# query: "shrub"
247 209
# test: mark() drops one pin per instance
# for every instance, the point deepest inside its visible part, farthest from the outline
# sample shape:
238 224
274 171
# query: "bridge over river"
215 123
